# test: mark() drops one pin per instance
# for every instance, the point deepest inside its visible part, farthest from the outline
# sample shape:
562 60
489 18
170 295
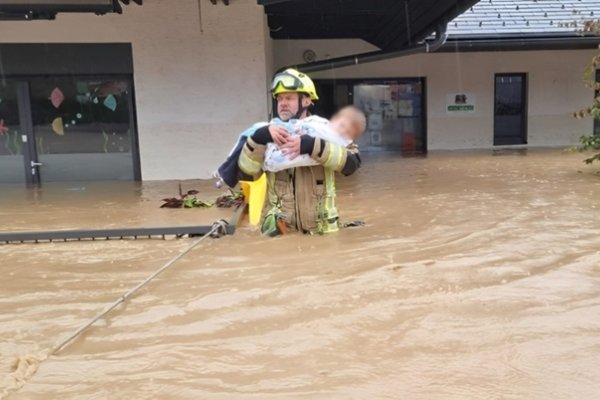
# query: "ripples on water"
476 277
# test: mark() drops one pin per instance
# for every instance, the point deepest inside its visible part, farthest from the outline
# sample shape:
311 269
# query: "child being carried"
345 127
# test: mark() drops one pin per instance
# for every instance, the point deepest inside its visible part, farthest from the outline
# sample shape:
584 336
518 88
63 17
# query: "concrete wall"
555 88
200 74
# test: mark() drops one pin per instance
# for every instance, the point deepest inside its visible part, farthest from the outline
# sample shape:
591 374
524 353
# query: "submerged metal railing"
119 233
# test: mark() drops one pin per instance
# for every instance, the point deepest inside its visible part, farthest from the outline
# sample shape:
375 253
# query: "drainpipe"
346 61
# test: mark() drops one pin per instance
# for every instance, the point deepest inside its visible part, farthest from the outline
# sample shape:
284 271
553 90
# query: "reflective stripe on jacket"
305 197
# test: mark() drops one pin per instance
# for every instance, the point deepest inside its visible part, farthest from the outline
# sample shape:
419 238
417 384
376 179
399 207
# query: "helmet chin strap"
301 108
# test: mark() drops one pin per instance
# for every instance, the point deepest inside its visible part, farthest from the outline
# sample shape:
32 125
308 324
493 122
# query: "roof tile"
528 17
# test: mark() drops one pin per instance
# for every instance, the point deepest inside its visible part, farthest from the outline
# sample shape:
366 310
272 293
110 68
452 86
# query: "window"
395 110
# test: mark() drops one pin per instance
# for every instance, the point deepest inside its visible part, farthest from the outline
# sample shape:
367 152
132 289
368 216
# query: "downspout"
427 47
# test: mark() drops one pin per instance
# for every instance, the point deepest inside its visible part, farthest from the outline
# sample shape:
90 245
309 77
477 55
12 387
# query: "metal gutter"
443 44
363 58
520 44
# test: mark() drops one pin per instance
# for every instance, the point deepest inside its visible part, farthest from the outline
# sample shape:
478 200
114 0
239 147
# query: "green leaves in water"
185 200
231 199
190 200
589 142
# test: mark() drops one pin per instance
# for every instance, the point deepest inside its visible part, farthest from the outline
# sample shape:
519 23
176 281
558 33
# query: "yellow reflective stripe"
330 207
272 195
335 158
248 165
332 158
330 182
329 157
341 153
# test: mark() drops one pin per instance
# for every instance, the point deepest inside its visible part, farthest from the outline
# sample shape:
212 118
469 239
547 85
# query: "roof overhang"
28 10
387 24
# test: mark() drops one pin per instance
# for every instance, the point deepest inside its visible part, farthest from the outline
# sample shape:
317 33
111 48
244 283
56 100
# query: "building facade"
161 92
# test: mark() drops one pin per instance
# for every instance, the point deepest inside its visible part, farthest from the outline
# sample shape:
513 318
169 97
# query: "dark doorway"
510 109
395 110
596 94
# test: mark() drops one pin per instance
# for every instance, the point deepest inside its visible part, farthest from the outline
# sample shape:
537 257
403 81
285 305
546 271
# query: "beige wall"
200 81
195 90
555 88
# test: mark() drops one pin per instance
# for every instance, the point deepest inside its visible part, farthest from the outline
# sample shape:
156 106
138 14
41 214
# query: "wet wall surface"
477 276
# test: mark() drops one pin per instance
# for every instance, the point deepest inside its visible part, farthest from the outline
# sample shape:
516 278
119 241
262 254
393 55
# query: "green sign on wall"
460 103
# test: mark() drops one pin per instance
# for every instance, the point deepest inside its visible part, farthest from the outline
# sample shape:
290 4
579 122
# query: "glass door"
12 148
67 129
510 109
83 128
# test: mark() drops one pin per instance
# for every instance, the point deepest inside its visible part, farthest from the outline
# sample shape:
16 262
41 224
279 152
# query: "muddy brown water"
477 277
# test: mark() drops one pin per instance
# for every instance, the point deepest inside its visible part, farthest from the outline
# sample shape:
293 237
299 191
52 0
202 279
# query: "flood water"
476 277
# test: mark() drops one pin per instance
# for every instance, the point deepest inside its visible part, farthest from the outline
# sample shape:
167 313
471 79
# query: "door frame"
524 108
596 128
30 156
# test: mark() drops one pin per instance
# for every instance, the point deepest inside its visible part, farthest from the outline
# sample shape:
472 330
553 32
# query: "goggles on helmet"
287 81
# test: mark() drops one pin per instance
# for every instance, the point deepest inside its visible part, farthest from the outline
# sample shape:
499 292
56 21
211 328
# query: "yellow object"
57 126
255 193
293 81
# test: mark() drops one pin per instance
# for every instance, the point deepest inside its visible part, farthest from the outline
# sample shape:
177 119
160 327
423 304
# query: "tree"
591 142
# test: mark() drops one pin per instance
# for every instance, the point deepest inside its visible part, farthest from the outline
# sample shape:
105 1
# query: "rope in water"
27 365
219 228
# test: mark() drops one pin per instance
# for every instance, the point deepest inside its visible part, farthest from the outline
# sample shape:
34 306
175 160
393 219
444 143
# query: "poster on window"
460 103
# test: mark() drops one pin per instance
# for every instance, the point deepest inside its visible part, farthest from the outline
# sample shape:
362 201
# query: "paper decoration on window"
56 97
110 102
79 115
95 100
82 87
405 108
111 87
3 128
82 99
57 126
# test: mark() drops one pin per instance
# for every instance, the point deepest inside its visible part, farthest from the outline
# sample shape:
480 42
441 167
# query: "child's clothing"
229 172
313 126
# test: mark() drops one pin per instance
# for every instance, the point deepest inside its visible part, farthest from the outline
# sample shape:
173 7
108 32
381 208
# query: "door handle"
36 164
